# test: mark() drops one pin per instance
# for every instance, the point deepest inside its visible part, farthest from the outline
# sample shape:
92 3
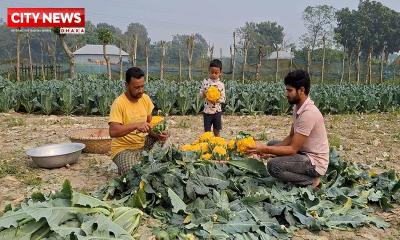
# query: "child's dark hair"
133 72
216 63
298 79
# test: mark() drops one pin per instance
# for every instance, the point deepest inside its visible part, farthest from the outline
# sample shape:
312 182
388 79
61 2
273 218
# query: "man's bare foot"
316 183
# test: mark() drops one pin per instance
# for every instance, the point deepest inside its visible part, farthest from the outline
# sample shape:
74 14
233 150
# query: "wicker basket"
97 140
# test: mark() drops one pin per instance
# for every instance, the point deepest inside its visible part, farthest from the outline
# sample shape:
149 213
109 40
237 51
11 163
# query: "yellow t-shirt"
124 111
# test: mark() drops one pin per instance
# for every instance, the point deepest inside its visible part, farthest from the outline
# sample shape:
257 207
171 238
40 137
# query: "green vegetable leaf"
176 202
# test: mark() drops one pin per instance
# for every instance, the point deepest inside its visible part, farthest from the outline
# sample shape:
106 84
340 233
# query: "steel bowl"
56 155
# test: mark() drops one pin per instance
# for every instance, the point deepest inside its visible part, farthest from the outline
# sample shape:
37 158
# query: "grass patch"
30 179
184 123
334 141
92 162
67 121
85 190
396 136
9 168
14 122
263 136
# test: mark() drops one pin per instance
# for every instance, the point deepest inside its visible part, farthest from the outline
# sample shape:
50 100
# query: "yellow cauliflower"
155 120
217 141
186 148
245 143
204 147
213 94
191 148
231 144
206 156
219 152
205 137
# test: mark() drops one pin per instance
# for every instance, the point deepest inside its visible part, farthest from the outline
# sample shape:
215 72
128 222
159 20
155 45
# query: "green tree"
179 43
373 26
90 36
263 34
319 22
135 39
106 36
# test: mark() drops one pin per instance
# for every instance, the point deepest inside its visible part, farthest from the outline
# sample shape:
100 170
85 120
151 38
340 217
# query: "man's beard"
294 100
136 97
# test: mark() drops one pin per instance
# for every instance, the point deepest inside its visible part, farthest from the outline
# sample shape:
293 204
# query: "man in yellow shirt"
129 123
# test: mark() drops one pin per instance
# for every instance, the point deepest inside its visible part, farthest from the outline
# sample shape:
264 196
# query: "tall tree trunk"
358 61
30 56
368 72
370 67
343 64
277 63
258 67
180 64
107 61
211 50
323 58
120 62
135 50
204 63
190 47
146 54
202 60
367 67
129 46
162 45
18 64
231 63
386 56
309 60
42 61
350 54
55 58
382 63
211 53
233 56
70 55
132 58
245 52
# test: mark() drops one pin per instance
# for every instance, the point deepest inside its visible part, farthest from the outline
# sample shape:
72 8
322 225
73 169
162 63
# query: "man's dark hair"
216 63
298 79
133 72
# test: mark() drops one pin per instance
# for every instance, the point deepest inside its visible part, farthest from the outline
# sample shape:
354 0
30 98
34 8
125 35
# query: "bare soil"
373 139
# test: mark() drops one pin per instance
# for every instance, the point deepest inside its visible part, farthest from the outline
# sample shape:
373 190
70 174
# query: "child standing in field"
213 92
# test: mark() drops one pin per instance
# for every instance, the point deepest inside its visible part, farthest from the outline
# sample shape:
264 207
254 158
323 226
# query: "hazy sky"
215 20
